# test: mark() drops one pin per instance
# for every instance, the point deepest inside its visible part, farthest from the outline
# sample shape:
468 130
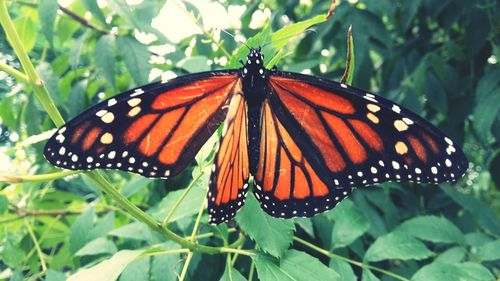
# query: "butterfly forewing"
229 179
355 138
155 130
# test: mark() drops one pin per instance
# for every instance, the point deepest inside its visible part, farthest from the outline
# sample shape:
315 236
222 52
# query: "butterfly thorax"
254 89
254 77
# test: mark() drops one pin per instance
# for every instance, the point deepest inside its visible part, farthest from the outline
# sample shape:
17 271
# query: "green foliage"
271 234
397 245
438 58
295 265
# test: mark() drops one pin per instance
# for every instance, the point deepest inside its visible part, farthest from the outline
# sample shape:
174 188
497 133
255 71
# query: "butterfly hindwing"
229 180
155 130
286 184
355 138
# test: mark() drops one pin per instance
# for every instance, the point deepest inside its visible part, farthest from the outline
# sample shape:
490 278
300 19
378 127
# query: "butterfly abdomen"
254 131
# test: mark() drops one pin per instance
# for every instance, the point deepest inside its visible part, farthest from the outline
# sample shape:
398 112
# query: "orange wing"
229 179
155 130
286 183
353 138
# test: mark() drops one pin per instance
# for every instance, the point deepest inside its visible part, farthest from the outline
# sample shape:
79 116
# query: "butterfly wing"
228 182
353 138
286 184
155 130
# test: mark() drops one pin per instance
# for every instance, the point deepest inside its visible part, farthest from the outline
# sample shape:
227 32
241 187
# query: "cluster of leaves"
436 58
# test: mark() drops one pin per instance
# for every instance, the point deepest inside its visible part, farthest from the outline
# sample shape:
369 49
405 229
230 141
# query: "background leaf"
397 245
26 29
350 223
47 14
108 270
136 58
104 54
272 234
432 228
294 265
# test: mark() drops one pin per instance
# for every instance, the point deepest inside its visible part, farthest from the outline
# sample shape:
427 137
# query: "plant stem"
14 72
179 201
145 218
191 238
37 246
186 264
36 178
252 268
197 222
165 252
81 20
357 263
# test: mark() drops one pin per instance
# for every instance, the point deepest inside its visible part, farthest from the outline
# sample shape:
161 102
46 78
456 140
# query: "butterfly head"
254 66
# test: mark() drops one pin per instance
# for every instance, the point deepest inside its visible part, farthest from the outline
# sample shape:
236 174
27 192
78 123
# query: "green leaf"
47 11
432 228
97 247
485 217
231 274
107 270
76 51
103 226
294 266
368 276
25 27
93 8
189 206
136 57
435 93
134 230
349 68
165 267
409 10
104 55
135 184
486 109
439 271
4 203
136 270
453 255
9 117
80 230
397 245
350 223
343 269
475 271
273 235
12 255
51 83
75 103
489 251
281 37
306 224
477 239
53 275
194 64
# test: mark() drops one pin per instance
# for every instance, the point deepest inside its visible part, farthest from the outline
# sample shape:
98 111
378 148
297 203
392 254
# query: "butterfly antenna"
289 36
234 37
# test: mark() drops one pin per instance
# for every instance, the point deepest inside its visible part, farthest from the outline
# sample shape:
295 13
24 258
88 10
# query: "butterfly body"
306 140
254 86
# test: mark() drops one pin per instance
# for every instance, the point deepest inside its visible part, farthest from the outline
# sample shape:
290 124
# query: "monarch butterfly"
306 140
